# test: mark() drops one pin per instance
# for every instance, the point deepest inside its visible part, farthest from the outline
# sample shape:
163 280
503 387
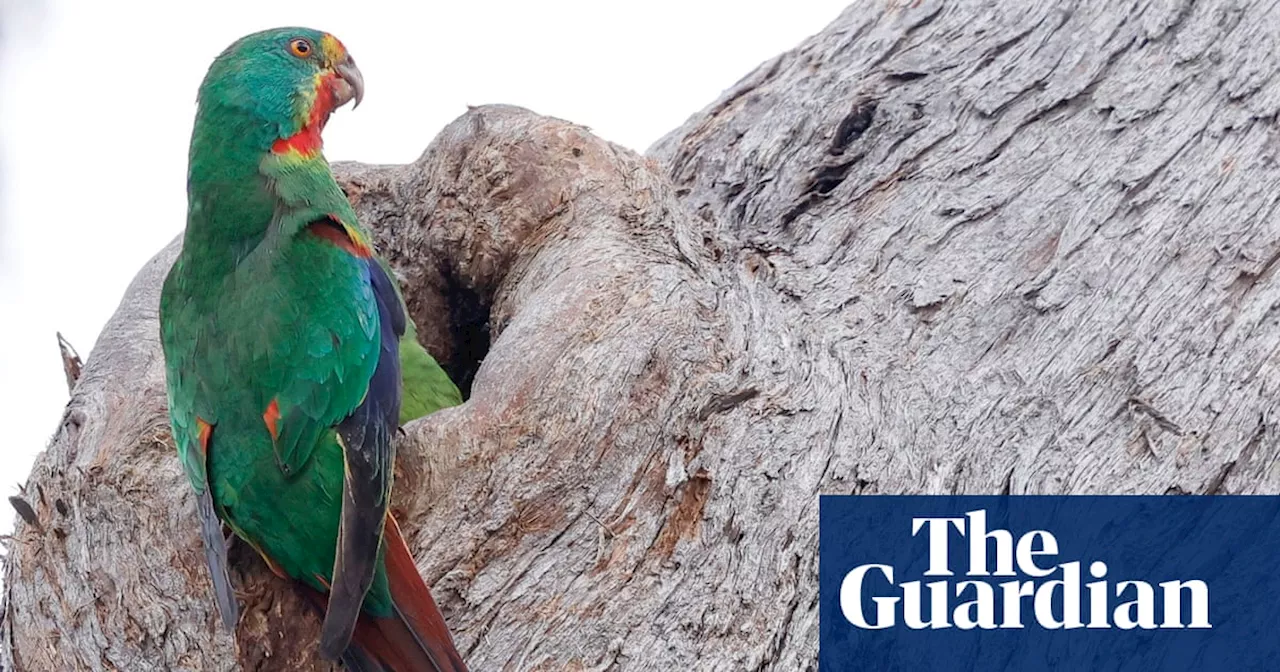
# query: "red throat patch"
307 140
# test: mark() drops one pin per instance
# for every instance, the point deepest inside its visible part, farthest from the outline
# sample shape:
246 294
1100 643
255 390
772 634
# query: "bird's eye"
300 47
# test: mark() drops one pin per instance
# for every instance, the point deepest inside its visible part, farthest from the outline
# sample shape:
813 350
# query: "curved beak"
349 85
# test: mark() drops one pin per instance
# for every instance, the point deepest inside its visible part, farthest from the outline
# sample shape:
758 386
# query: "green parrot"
286 341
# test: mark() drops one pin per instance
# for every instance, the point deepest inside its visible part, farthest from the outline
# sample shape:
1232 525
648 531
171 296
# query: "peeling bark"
937 248
71 363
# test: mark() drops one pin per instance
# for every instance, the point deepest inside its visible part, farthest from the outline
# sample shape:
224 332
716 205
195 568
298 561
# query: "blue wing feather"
366 437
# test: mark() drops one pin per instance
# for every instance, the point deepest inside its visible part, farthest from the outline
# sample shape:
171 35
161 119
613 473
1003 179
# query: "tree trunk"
938 248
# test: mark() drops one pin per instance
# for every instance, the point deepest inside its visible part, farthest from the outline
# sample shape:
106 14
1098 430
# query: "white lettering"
1137 613
978 537
851 598
938 565
980 612
1069 584
1027 552
1173 603
1054 603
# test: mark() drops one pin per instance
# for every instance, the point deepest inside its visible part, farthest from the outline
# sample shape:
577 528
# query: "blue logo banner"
1049 583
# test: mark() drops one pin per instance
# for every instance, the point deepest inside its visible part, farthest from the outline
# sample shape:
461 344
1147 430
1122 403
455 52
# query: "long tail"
416 638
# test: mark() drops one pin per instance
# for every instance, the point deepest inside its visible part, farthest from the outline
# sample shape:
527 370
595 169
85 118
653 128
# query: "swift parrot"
286 342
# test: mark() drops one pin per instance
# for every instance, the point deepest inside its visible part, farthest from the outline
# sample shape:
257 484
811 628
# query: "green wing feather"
191 453
427 388
326 386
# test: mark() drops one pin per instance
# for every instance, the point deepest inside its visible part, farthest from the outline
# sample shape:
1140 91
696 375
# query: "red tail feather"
417 638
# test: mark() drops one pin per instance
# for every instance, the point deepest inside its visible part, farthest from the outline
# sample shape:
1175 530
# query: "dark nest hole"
468 330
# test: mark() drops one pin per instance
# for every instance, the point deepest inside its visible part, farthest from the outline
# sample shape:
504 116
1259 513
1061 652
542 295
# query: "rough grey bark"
937 248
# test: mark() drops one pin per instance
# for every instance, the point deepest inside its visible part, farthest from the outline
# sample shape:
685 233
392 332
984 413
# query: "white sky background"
96 102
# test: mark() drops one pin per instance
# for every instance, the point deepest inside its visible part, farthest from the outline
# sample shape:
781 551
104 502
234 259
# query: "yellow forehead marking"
333 50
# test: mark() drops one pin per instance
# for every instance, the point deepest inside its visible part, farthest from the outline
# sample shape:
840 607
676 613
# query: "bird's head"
288 80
